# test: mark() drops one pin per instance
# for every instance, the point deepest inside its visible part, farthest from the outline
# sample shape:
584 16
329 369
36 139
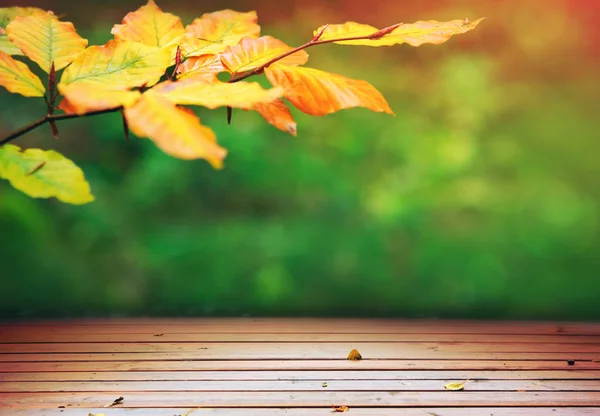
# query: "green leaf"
44 174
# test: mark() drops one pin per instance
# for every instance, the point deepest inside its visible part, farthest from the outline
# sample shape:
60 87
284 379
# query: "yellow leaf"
44 174
415 34
347 30
204 68
7 14
8 47
456 386
150 26
354 355
119 63
46 40
16 77
319 93
212 32
340 409
214 95
176 131
277 114
254 52
83 97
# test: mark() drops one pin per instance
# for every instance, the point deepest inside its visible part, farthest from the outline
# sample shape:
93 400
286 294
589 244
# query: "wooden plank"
314 327
294 365
312 353
374 349
28 336
304 399
276 386
236 321
428 411
111 376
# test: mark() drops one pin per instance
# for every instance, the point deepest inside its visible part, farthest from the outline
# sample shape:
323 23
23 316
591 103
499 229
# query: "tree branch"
313 42
52 117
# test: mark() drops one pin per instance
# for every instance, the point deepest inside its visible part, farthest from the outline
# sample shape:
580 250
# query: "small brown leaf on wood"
354 355
340 409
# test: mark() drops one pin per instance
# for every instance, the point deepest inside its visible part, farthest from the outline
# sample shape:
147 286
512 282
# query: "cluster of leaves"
155 66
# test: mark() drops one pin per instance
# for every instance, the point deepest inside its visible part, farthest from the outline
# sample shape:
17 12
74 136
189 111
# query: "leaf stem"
51 118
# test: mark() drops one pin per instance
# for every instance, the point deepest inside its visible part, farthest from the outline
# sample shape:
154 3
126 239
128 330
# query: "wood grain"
272 367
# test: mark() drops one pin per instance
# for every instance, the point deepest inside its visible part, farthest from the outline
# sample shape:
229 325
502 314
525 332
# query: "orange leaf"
218 94
277 114
354 355
46 40
254 52
16 77
176 131
415 34
319 93
151 26
212 32
225 26
83 97
204 68
340 409
119 63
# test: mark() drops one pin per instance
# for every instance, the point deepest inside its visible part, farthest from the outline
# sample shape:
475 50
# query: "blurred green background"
480 199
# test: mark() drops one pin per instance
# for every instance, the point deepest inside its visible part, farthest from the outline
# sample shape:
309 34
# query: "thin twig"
315 41
53 117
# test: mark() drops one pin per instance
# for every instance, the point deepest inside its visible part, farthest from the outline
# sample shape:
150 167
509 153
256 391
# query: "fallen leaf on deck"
340 409
158 335
324 384
189 412
571 362
116 402
456 386
354 355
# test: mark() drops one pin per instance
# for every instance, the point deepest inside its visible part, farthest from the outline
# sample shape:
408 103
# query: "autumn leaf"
204 68
119 63
214 95
46 40
8 47
16 77
251 53
7 14
176 131
212 32
150 26
83 97
414 34
456 386
277 114
319 93
44 174
340 409
354 355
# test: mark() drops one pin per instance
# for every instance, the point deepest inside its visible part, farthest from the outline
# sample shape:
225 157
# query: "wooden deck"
298 367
